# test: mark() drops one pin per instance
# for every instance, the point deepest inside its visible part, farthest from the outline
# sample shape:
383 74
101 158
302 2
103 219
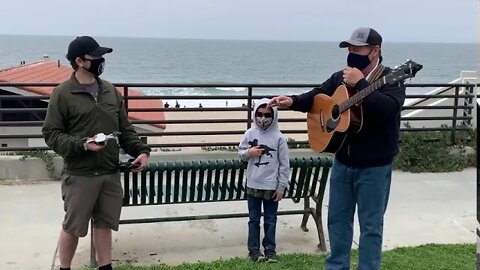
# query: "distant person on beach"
265 149
166 105
177 105
362 169
200 105
79 109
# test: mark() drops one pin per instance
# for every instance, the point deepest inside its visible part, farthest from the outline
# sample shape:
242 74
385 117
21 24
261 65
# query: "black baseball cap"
363 36
85 45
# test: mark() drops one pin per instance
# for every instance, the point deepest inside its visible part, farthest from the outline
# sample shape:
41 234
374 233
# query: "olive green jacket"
74 115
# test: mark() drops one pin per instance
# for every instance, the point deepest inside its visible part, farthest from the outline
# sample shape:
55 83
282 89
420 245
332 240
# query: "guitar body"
327 127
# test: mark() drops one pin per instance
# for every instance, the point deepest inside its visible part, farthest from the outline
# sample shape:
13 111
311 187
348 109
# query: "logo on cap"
361 36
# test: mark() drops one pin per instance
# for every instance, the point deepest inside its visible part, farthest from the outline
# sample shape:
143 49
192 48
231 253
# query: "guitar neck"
360 95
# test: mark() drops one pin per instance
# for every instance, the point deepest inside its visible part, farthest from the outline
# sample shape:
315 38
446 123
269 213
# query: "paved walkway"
423 208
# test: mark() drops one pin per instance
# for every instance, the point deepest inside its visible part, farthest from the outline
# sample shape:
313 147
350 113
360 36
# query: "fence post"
455 109
475 105
468 101
125 97
249 105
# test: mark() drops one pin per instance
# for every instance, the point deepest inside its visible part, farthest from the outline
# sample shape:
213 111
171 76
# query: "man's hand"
351 76
280 101
255 151
142 159
91 145
277 196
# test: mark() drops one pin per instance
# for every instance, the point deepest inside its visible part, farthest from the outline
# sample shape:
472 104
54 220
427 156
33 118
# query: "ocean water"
151 60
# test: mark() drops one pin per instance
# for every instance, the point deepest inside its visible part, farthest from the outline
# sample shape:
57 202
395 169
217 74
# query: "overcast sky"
319 20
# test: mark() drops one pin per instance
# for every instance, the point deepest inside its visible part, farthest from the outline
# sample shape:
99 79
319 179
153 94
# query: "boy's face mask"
264 120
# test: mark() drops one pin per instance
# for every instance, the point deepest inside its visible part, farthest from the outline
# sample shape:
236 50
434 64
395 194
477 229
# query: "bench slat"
208 186
143 187
200 185
176 185
292 183
232 188
134 188
160 187
216 183
151 187
193 176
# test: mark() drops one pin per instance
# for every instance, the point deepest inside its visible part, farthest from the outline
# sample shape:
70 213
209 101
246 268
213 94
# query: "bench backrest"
214 180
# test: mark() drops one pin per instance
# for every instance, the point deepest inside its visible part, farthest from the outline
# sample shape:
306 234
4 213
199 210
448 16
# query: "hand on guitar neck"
281 102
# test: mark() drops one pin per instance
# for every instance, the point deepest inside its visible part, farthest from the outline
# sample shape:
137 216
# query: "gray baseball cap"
363 36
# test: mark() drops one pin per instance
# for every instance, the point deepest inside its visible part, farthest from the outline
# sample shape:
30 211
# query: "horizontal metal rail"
463 97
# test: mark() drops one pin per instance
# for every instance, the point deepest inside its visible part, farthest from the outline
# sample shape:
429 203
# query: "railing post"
125 97
249 105
468 101
455 109
475 105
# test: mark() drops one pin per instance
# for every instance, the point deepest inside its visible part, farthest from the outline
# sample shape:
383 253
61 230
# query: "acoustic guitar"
333 117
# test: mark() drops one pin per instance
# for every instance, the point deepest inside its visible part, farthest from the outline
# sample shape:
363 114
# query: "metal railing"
458 98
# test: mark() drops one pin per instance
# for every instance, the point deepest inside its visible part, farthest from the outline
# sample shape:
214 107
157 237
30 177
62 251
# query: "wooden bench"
181 182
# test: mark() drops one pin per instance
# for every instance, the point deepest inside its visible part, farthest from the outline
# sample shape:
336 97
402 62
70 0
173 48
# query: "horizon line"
235 39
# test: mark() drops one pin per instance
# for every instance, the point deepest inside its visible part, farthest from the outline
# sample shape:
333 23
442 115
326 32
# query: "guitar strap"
376 74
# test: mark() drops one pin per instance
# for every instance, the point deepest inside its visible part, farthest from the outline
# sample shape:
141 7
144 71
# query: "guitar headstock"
406 70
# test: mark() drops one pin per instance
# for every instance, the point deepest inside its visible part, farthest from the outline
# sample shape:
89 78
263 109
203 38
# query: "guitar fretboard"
360 95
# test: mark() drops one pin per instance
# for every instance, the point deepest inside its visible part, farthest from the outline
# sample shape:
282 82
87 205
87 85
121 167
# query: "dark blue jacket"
377 142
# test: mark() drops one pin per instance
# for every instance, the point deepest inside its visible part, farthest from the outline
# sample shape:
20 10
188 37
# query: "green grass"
431 256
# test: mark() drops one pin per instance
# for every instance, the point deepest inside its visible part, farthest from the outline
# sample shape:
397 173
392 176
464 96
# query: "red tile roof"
51 72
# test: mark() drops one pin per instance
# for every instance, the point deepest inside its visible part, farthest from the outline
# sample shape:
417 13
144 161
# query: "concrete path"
423 208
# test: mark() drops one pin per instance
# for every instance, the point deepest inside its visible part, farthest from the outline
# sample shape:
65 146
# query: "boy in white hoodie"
266 150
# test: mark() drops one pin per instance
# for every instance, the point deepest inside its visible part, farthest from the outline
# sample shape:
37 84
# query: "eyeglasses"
260 114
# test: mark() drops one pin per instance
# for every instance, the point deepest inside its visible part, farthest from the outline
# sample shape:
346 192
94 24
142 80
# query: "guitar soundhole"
335 112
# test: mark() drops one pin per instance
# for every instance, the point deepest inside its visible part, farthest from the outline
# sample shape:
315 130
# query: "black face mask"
358 61
96 66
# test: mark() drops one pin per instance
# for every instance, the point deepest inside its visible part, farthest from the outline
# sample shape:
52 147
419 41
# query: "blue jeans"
270 208
369 189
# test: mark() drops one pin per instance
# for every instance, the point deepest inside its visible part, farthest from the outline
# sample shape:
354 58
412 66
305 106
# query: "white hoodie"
270 170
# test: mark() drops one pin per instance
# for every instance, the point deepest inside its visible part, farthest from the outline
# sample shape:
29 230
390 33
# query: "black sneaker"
271 256
256 256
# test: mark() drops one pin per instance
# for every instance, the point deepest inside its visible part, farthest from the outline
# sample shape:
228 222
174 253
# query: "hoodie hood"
274 125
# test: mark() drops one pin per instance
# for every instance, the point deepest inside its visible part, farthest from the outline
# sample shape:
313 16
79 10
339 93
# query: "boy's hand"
277 196
255 151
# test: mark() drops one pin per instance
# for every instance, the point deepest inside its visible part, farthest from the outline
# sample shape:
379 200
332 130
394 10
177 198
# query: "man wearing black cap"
80 111
361 172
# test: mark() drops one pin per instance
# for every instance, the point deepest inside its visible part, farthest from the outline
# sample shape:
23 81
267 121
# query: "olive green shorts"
96 197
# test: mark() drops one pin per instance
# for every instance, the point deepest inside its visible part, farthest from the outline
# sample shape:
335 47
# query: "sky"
315 20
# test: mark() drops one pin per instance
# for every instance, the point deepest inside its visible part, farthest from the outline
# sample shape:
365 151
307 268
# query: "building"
15 122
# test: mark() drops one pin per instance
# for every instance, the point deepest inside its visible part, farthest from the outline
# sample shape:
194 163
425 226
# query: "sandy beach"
222 126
